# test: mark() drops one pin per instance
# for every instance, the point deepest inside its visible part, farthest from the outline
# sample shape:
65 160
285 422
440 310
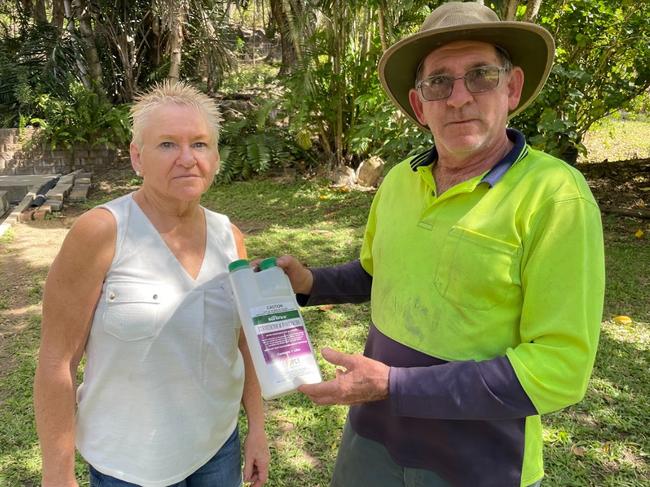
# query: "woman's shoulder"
96 226
216 218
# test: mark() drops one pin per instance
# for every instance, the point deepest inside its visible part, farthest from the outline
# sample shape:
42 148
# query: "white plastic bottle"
275 331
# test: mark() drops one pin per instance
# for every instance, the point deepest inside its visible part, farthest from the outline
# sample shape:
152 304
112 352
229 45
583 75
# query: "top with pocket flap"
166 343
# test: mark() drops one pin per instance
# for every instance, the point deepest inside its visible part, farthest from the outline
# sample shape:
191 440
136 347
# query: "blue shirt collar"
519 151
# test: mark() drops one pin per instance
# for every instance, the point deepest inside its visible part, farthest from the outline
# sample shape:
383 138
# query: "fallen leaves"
622 320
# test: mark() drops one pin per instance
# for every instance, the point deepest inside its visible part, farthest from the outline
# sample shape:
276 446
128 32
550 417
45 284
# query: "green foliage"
246 76
334 92
40 59
255 144
602 65
83 117
383 131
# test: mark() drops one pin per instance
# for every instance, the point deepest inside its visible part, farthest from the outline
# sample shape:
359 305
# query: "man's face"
466 123
178 157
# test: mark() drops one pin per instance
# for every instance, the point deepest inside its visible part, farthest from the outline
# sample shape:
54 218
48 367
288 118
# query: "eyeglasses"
477 80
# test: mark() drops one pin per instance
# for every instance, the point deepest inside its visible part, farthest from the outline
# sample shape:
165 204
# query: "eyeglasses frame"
500 69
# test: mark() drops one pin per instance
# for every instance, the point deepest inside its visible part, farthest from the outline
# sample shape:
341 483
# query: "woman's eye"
200 145
167 145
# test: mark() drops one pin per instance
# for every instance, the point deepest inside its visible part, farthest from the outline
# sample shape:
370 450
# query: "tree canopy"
61 59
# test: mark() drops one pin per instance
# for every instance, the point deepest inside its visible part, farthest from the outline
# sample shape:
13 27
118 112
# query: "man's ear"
416 105
134 152
515 85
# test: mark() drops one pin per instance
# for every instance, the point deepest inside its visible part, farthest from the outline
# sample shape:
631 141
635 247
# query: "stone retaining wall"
17 158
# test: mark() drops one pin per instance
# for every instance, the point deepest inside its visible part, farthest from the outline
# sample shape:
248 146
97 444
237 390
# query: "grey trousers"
363 463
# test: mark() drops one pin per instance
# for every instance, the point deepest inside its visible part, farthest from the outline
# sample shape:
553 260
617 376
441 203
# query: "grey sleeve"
345 283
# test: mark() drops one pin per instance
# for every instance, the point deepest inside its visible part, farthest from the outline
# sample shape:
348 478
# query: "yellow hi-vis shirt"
514 269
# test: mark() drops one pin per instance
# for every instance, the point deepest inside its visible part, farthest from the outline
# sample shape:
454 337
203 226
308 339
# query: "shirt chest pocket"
476 271
131 311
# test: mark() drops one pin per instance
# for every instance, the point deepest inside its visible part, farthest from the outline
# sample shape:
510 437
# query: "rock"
369 171
343 176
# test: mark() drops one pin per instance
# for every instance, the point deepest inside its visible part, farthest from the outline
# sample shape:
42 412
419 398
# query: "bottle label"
281 332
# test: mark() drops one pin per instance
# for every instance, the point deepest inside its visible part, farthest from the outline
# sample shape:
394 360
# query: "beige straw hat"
530 46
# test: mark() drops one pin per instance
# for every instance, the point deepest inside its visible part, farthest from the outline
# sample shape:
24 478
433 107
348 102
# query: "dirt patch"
621 184
25 259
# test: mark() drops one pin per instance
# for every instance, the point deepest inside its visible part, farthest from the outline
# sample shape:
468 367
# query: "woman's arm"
72 289
256 449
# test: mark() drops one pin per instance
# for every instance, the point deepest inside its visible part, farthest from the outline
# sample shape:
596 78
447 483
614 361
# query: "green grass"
617 140
7 237
603 441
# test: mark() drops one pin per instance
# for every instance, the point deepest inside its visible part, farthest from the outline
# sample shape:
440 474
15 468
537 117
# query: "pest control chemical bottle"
275 331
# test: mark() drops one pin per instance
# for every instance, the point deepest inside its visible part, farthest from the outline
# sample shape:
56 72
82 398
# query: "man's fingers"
337 358
323 393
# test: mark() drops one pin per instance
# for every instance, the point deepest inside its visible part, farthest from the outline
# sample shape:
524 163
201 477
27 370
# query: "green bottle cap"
267 263
238 264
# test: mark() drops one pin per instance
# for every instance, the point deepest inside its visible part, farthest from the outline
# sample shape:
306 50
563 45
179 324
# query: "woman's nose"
186 157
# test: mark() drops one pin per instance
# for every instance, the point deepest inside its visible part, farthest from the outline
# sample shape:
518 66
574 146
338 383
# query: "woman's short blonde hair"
169 92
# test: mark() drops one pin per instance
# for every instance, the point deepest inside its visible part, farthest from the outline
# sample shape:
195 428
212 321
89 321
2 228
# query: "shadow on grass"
19 341
603 441
260 204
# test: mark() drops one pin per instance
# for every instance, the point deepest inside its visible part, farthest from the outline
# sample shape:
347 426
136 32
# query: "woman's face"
178 156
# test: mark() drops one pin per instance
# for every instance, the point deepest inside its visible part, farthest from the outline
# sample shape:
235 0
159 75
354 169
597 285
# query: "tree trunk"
382 26
511 10
88 37
58 14
177 19
39 12
81 66
27 7
532 9
281 19
340 36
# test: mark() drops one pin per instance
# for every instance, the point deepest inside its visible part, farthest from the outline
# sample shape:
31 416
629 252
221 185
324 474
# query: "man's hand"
256 459
361 380
301 278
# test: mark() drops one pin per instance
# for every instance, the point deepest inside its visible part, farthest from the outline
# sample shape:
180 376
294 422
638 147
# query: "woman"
141 286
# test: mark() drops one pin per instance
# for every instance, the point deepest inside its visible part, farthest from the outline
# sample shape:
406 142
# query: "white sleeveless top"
164 377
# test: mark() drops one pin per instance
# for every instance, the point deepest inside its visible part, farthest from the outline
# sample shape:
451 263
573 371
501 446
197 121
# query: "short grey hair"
172 92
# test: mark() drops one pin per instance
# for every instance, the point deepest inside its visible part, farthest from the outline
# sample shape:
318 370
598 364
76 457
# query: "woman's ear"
134 152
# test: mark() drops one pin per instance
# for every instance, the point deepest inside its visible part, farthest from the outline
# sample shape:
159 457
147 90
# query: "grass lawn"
603 441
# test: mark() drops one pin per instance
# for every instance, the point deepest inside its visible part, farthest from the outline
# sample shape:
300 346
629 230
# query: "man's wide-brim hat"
529 45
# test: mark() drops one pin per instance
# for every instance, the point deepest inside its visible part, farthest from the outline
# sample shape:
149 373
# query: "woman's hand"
256 458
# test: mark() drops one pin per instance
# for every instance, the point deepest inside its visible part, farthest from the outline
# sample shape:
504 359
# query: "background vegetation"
297 78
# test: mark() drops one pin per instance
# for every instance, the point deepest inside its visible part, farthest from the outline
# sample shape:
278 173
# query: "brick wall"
18 157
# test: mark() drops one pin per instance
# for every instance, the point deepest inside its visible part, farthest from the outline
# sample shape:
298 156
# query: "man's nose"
460 95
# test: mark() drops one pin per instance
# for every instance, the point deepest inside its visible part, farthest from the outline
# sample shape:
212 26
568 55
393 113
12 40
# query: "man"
483 260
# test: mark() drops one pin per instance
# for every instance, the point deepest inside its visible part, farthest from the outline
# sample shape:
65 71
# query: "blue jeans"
222 470
363 462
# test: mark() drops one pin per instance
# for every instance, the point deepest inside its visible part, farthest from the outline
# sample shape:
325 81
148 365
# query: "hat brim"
531 47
